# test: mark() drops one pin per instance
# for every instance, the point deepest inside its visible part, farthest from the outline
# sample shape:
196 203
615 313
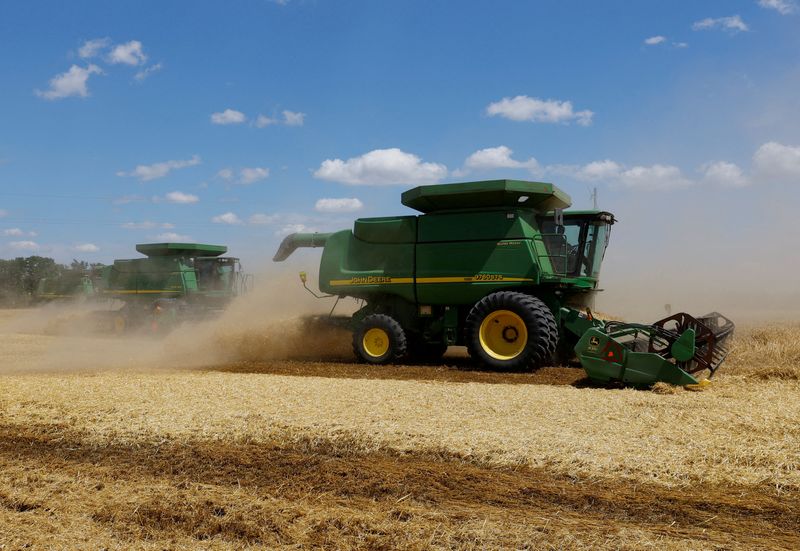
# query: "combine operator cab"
576 242
222 274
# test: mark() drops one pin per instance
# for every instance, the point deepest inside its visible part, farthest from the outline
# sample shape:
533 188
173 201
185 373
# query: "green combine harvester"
173 283
500 267
73 285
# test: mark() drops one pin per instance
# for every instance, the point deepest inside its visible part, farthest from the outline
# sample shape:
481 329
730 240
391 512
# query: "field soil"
262 440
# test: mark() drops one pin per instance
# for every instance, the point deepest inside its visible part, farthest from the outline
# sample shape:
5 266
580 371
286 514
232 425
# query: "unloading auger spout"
294 241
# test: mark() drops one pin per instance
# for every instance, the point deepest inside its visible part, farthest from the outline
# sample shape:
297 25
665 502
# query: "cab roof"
540 196
180 249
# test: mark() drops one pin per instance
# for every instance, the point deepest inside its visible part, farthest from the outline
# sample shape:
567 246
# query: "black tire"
386 344
420 351
525 338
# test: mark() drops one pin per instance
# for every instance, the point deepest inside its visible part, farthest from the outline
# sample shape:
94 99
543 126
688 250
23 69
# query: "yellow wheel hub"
503 335
375 342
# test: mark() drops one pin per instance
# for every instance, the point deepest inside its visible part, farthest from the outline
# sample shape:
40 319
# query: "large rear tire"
511 331
380 340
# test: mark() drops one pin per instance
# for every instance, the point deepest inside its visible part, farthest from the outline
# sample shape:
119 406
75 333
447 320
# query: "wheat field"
252 443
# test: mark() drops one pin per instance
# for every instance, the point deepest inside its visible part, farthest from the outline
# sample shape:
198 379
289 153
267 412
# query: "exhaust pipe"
297 240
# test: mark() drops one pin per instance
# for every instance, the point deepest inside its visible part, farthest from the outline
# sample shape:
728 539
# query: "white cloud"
525 108
147 225
653 40
144 73
173 237
291 118
86 248
129 53
24 245
279 218
498 157
17 232
91 48
724 174
292 228
181 198
649 178
263 120
381 167
784 7
227 218
125 199
654 178
596 170
680 44
249 176
263 219
777 162
229 116
732 24
71 83
145 173
343 204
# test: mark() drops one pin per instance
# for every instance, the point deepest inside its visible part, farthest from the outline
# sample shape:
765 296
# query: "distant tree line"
20 277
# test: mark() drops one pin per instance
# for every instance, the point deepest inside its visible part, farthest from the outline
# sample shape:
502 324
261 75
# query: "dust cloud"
276 319
703 251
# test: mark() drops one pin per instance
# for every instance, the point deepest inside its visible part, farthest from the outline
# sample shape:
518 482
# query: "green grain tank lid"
486 194
181 249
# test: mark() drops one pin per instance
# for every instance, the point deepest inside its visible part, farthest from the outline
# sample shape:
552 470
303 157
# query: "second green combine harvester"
173 282
500 267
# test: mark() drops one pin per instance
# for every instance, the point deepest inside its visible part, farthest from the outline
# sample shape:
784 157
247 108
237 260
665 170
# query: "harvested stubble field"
237 439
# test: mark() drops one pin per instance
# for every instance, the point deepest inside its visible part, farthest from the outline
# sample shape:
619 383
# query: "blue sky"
228 122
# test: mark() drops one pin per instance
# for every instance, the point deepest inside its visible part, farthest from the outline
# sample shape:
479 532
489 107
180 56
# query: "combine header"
673 350
500 267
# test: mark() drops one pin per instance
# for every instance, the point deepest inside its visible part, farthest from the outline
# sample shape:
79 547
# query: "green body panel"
457 258
462 272
154 277
489 224
395 229
361 269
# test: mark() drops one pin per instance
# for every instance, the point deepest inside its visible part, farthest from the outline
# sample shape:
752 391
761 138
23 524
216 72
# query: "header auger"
500 267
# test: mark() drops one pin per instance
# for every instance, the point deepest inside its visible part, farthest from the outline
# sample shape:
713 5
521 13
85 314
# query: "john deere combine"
71 285
500 267
174 282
